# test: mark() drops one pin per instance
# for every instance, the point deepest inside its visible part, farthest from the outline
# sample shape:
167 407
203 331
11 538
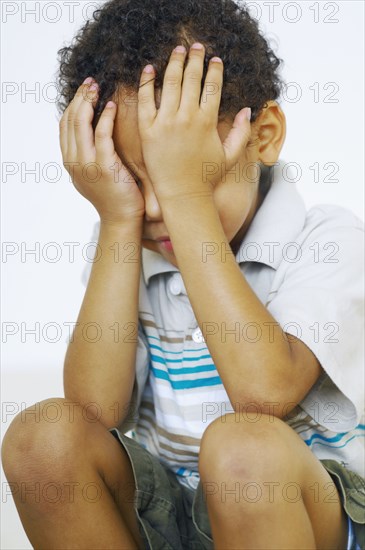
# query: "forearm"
254 365
100 360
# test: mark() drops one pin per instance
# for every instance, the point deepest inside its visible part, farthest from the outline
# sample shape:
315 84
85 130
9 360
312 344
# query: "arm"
100 367
184 132
103 371
275 369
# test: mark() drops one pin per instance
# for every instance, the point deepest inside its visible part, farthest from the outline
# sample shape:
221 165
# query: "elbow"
110 415
273 404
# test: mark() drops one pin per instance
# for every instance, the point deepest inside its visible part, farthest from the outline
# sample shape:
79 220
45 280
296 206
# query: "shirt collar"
277 222
153 263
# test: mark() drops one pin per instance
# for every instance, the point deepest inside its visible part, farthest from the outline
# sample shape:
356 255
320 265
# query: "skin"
175 200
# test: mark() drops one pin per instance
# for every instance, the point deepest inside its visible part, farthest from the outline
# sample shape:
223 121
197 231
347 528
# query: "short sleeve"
89 262
319 298
142 355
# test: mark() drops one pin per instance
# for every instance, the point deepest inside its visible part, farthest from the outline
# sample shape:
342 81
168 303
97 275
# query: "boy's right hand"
90 158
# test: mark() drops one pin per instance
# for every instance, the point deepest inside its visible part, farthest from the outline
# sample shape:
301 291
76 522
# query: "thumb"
238 137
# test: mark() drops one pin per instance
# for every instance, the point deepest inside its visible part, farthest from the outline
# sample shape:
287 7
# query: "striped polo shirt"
306 267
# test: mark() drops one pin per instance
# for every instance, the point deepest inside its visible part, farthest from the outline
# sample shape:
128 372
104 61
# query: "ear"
270 132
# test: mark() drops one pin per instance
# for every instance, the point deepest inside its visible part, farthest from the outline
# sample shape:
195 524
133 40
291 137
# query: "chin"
152 245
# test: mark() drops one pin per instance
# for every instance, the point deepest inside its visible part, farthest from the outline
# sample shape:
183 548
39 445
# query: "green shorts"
174 517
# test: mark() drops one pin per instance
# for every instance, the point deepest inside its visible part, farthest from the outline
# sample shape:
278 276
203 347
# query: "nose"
153 211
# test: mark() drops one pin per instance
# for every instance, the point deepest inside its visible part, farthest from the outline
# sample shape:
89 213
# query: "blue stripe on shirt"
185 384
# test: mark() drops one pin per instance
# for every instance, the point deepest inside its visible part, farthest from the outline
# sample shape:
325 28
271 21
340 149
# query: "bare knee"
242 449
42 437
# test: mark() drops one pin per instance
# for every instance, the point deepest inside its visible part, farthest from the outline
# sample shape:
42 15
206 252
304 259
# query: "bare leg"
73 483
265 489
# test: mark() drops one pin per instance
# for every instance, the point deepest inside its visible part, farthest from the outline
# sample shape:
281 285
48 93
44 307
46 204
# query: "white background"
318 131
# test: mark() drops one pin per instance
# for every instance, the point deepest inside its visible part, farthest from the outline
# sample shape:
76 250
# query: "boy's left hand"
181 137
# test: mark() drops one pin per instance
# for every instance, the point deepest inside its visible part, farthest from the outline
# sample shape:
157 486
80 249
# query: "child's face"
236 198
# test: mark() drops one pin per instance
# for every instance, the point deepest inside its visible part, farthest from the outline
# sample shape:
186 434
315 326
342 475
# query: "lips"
167 245
163 241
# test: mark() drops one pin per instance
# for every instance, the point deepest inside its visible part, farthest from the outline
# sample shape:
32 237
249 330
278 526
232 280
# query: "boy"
248 431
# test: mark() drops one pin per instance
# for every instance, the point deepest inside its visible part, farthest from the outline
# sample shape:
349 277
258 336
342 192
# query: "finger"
192 82
238 137
63 135
212 90
171 88
146 98
82 92
84 134
106 155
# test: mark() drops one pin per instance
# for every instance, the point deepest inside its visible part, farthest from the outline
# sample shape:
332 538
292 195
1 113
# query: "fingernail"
248 113
88 80
148 69
180 49
217 60
93 87
197 46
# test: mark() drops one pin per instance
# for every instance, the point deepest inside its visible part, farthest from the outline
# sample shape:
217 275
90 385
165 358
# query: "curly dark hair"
125 35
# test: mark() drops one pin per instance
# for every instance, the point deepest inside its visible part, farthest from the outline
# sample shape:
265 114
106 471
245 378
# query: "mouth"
164 238
167 245
164 242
